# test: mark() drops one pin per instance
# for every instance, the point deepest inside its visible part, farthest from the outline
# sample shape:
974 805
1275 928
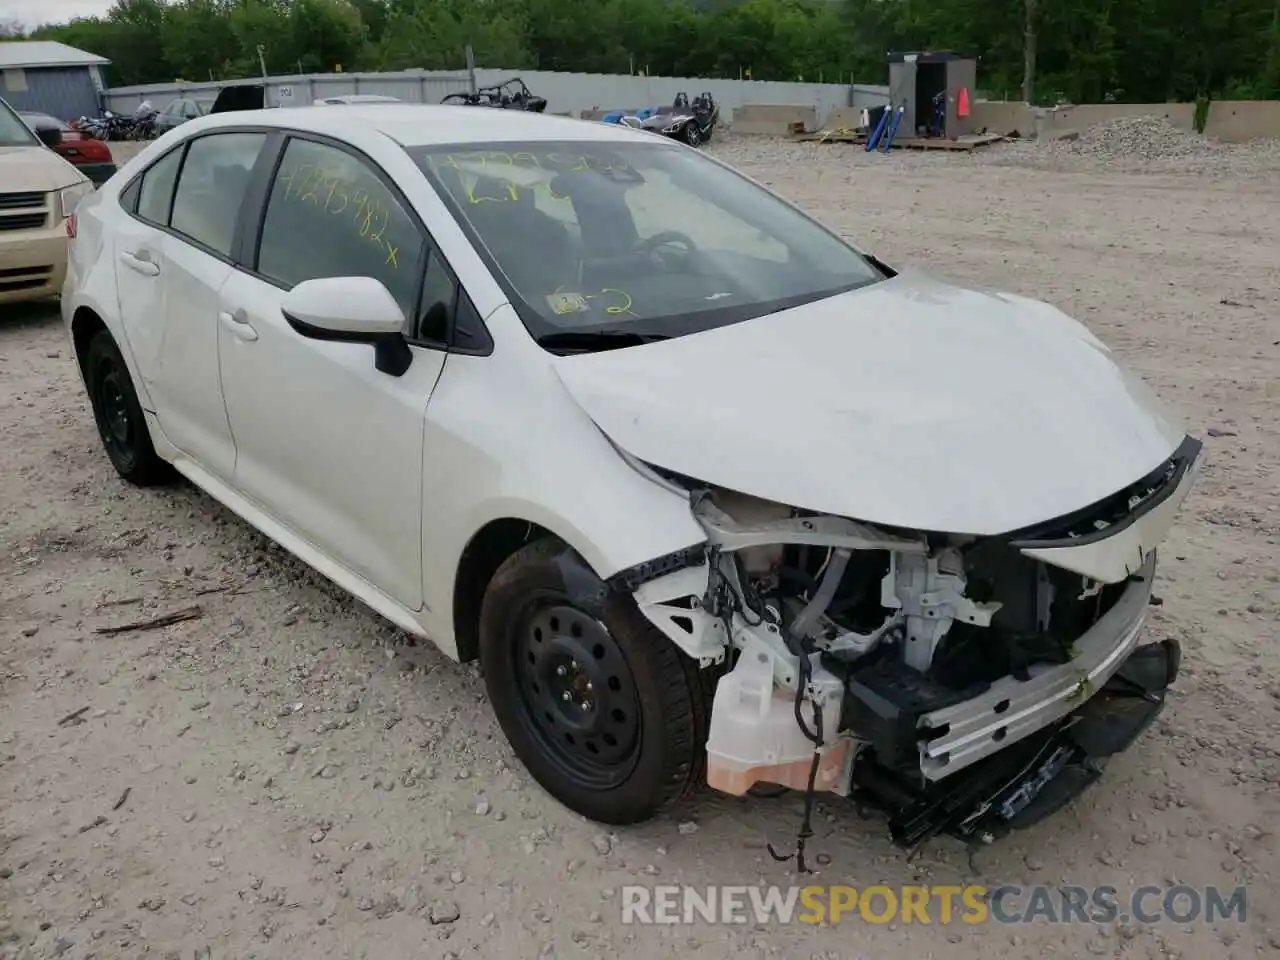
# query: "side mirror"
351 310
49 136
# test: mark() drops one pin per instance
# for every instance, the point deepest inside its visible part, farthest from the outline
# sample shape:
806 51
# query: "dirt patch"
288 776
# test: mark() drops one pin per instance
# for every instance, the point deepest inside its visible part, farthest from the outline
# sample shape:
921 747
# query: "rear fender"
91 286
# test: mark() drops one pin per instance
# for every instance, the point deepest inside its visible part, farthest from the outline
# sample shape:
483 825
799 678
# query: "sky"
31 13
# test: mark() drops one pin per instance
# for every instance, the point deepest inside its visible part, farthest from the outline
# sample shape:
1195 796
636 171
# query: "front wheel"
692 135
606 714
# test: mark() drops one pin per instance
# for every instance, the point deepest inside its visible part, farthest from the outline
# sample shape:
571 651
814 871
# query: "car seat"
534 249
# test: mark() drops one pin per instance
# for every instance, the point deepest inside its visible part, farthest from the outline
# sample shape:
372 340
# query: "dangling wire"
815 736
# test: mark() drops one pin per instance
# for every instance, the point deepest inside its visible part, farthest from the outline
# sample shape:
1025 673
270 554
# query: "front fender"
504 440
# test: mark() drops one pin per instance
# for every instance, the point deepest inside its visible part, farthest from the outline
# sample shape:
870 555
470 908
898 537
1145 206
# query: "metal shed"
915 79
44 77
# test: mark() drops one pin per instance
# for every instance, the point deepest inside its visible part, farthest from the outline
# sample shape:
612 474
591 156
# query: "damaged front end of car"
963 685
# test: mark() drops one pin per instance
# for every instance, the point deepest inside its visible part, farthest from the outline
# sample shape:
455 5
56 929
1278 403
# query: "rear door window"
214 180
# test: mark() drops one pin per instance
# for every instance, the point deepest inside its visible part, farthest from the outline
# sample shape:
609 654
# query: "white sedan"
712 495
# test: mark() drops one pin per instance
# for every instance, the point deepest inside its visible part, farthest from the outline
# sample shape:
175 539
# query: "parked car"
179 112
348 98
240 96
91 157
39 192
710 493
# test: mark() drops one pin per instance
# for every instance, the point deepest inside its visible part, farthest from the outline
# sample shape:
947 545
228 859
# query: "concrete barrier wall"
565 92
1004 118
1007 117
771 119
1235 121
1083 116
1229 121
755 106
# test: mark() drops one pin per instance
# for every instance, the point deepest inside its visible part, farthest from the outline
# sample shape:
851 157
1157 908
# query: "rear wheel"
118 414
607 715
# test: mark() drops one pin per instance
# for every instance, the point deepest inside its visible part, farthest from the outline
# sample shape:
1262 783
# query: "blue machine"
878 132
887 141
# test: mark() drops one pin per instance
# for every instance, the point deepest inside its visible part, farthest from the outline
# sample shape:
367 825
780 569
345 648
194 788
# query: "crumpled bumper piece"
1010 709
1037 777
1116 552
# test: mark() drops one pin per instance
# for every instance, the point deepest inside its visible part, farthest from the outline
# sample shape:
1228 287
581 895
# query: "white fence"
569 93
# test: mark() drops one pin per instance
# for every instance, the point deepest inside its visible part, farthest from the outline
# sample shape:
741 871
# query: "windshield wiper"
595 340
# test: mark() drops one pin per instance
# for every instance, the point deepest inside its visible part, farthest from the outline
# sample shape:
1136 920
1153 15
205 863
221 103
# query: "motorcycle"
94 128
140 125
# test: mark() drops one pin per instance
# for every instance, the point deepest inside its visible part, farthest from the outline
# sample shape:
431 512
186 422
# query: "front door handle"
239 325
142 264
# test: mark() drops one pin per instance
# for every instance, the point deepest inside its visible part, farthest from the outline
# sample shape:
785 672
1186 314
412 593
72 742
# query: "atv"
509 95
693 123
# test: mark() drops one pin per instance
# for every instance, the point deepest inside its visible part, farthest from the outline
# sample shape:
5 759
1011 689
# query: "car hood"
35 169
908 402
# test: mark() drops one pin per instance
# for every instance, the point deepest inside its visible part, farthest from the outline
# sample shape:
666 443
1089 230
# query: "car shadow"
15 317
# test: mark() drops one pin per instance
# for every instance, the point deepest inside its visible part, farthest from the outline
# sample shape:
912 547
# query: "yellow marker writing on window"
332 194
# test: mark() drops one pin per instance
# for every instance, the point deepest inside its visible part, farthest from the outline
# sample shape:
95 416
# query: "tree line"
1079 51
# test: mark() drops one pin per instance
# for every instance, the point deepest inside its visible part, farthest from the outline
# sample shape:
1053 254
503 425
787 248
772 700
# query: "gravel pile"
1140 138
1141 144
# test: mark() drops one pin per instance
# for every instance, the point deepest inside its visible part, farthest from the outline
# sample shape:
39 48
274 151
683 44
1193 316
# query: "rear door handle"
140 263
239 325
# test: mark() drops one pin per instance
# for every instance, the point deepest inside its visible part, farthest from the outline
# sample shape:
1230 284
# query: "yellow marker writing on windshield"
616 309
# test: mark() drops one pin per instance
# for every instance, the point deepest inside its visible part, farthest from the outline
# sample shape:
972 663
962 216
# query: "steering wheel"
652 245
649 244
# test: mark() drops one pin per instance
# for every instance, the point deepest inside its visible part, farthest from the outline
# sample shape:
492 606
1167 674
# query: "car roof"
420 124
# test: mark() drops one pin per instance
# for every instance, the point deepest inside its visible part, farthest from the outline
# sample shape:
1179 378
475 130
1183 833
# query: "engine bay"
935 673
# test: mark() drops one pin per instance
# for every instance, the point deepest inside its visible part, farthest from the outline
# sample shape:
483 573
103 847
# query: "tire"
692 135
122 426
607 715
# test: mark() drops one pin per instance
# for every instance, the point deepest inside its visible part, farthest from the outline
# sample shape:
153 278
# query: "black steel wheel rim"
577 694
115 420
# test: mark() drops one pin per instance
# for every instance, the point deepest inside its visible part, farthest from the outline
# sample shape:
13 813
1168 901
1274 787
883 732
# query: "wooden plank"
842 135
963 144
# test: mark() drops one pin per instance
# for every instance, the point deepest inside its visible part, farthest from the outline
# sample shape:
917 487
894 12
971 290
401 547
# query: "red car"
90 157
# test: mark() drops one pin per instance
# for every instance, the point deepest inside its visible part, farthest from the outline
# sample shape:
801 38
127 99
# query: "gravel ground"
287 776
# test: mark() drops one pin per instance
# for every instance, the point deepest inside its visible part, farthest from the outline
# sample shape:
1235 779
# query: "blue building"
39 76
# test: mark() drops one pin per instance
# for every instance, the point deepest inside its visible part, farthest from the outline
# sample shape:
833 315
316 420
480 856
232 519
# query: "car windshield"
651 239
13 132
